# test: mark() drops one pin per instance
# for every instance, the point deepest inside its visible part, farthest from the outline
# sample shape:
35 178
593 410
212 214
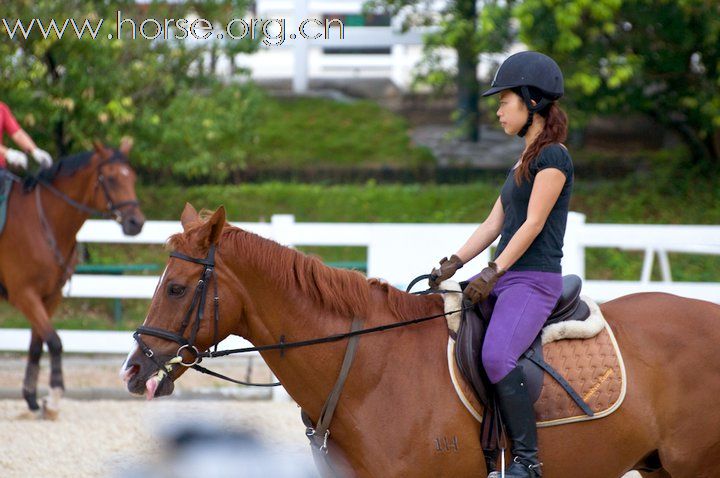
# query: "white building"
372 46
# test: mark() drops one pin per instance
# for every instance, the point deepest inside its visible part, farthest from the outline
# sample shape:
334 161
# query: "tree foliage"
468 27
164 92
656 57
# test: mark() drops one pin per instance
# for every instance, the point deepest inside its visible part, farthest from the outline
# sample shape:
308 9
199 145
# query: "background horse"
37 248
398 402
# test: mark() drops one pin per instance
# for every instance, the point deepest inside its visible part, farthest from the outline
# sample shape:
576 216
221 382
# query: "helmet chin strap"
532 109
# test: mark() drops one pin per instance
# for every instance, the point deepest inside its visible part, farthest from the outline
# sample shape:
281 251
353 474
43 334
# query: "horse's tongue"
151 385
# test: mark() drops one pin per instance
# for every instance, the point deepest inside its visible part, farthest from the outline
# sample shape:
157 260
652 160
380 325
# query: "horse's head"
184 317
115 187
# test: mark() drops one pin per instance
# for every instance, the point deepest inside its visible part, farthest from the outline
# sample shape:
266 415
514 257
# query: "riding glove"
42 157
16 158
480 288
447 269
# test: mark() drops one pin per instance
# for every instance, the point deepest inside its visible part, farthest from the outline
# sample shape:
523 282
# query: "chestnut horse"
37 247
398 402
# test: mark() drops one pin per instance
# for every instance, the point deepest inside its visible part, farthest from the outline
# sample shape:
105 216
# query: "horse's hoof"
31 415
49 413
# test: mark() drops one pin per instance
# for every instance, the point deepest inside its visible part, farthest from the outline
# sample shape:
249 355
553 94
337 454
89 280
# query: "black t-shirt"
545 251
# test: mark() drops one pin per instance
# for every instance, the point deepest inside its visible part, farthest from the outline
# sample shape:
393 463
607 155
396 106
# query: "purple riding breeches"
521 302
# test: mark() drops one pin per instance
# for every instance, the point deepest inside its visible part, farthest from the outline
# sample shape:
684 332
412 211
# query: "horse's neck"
64 219
307 373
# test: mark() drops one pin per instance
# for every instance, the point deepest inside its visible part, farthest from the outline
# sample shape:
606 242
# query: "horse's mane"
66 166
344 292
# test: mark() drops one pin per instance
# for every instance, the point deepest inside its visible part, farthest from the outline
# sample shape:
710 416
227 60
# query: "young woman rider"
524 280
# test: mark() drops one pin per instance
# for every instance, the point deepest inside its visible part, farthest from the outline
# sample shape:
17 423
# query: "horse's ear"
126 144
100 149
216 224
188 216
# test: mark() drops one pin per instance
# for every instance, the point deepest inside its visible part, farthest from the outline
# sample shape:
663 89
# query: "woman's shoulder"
555 149
555 155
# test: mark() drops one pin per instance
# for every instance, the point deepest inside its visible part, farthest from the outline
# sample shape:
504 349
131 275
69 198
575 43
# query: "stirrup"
533 467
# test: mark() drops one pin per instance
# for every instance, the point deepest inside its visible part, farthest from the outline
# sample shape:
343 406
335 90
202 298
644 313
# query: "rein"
198 305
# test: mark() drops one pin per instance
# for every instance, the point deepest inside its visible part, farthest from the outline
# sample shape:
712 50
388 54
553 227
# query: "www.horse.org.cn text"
272 32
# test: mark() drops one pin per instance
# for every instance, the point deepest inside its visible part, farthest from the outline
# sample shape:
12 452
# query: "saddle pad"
593 367
595 370
6 182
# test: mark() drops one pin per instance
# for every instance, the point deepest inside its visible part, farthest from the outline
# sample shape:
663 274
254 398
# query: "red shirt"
9 125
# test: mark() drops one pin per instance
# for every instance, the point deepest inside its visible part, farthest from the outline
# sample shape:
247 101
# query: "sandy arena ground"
102 438
108 433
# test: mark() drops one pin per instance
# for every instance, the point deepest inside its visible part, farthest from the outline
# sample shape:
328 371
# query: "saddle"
574 368
471 332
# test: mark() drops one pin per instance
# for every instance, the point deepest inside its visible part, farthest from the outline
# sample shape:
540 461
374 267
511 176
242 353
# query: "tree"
658 58
67 90
462 27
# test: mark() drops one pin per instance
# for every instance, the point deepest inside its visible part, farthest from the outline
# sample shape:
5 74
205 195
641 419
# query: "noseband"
197 305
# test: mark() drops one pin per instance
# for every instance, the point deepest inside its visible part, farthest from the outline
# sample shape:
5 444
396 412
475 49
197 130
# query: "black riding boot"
519 418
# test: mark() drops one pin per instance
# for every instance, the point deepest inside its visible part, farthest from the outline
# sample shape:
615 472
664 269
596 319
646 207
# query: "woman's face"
511 112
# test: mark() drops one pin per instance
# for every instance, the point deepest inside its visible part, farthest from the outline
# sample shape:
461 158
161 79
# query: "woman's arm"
545 192
22 139
484 235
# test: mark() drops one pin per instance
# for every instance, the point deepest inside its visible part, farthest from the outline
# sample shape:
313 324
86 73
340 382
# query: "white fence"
397 253
400 252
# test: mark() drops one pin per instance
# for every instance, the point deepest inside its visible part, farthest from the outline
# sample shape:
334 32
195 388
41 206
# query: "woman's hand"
480 288
447 269
16 158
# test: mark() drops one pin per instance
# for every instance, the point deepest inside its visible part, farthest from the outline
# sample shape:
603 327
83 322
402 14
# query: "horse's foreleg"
51 406
35 310
32 370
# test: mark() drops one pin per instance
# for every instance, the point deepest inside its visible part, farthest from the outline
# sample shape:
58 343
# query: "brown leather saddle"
470 336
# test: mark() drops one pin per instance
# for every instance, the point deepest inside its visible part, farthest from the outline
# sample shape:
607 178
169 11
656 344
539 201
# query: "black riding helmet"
535 75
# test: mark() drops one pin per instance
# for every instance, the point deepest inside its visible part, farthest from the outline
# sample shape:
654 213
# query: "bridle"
113 209
197 305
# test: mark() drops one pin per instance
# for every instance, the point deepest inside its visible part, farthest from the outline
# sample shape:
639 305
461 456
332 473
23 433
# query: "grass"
316 132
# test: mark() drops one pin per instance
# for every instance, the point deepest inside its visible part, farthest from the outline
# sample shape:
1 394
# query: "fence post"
282 228
573 261
300 47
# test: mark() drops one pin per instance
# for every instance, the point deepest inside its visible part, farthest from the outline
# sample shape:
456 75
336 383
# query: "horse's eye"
176 290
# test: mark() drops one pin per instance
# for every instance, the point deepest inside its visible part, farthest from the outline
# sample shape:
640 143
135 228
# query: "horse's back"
661 311
669 344
662 328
